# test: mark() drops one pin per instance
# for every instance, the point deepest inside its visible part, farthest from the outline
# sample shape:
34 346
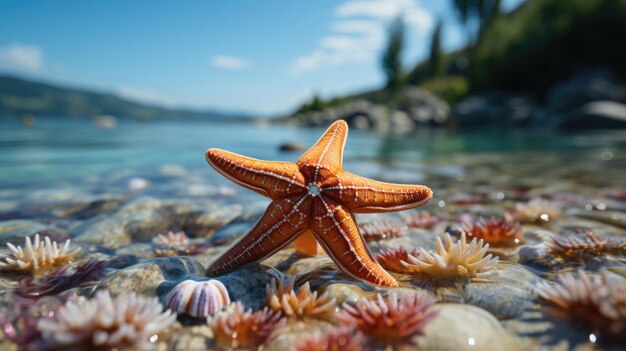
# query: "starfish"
313 201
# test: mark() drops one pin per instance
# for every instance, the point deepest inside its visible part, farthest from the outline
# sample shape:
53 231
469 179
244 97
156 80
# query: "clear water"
72 148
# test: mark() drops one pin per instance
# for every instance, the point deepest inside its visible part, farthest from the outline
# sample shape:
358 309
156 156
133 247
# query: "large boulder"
597 114
584 87
412 107
494 108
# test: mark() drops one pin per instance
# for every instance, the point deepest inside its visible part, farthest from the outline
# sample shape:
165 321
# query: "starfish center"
314 190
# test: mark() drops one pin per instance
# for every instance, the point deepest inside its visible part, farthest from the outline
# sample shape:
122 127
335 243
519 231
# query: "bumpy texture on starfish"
313 200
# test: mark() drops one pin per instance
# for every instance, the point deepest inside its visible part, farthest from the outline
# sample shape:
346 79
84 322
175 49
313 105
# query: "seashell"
198 298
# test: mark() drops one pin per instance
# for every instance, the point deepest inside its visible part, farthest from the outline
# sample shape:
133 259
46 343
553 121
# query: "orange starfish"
313 200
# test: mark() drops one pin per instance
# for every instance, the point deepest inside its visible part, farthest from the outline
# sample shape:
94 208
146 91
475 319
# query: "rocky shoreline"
592 99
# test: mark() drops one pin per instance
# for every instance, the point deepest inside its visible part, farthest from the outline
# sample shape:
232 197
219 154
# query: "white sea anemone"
456 259
127 321
538 211
198 299
38 255
283 298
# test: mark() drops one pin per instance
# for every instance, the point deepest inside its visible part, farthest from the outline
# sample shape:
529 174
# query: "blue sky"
242 55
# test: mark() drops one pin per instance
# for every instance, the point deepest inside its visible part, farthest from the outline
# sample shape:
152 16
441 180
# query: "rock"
291 146
154 277
505 292
205 222
122 229
597 114
413 106
247 284
14 231
146 217
609 217
423 106
462 327
495 108
586 86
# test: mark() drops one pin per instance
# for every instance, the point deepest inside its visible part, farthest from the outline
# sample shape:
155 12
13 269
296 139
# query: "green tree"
482 11
317 104
436 55
392 56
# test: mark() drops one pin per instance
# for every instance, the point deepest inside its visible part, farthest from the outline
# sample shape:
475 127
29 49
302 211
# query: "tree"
483 11
392 56
436 55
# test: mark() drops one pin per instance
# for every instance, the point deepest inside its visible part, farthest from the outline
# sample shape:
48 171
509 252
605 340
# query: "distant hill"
19 96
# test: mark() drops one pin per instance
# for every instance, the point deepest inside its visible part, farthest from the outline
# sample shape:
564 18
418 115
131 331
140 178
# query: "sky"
261 57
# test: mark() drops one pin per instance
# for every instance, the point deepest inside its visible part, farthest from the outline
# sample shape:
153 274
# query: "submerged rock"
463 327
154 277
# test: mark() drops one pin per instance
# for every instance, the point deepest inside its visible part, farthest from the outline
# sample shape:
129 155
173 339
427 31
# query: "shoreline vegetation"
546 64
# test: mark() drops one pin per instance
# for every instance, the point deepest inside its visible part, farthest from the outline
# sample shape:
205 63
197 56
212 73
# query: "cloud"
358 32
20 57
229 62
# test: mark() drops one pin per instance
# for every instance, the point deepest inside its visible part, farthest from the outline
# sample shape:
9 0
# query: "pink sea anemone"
421 219
538 211
573 248
389 322
334 339
594 303
391 259
236 328
381 229
169 244
127 321
495 232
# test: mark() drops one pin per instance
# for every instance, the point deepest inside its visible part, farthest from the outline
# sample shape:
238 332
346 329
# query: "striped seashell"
198 298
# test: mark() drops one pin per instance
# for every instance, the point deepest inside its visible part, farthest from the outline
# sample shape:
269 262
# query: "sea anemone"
60 280
382 229
334 339
421 219
127 321
572 247
537 211
467 199
235 328
169 244
390 322
456 259
38 256
282 297
391 259
595 303
495 232
198 299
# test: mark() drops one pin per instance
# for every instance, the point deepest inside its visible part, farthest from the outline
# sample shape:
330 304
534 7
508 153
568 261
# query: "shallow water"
113 190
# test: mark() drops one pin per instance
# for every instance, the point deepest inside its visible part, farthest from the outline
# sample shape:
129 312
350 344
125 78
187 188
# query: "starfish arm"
362 195
335 228
271 179
283 220
327 151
